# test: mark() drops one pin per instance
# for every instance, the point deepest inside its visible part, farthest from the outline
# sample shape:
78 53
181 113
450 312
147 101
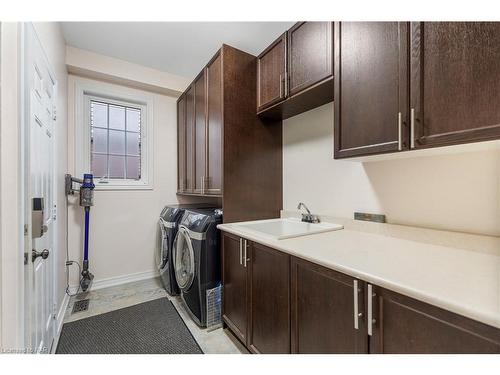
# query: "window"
113 135
115 141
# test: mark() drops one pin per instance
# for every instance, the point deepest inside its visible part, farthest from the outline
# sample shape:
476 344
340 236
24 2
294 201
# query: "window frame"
85 93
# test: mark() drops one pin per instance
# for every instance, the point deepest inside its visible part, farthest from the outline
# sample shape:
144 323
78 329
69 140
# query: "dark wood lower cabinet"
234 276
407 326
275 303
323 303
269 325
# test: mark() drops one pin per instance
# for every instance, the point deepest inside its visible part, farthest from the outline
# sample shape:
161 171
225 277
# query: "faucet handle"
310 218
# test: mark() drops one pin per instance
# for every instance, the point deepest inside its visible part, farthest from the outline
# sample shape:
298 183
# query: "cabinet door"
323 311
234 281
455 84
407 326
189 181
214 127
181 144
271 67
371 88
310 55
200 130
269 326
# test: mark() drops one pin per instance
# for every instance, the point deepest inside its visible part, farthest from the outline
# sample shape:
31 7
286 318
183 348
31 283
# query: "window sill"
106 187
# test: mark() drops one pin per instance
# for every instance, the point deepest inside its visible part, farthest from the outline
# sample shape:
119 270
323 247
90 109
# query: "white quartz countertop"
464 281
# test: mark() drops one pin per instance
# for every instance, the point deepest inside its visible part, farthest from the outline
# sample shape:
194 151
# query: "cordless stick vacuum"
86 201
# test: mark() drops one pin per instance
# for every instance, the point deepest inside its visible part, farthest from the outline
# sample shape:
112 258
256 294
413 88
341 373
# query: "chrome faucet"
308 217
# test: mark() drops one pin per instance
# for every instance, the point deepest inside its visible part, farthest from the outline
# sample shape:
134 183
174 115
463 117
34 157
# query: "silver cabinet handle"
370 319
241 251
356 307
281 86
412 128
400 143
286 83
245 253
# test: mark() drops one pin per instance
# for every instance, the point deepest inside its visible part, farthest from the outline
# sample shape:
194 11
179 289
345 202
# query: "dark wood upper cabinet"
407 326
455 82
323 309
234 281
401 86
371 88
190 146
269 324
213 184
295 73
271 69
200 131
181 144
309 55
226 144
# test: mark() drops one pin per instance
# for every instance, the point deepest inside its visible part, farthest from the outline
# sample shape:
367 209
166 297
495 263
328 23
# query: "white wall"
123 224
458 192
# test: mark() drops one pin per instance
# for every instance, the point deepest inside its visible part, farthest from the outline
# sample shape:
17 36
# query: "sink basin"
281 229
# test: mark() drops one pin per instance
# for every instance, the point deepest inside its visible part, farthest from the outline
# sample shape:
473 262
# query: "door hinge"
25 229
26 257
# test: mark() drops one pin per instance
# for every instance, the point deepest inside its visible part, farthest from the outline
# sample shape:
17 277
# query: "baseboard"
60 320
118 280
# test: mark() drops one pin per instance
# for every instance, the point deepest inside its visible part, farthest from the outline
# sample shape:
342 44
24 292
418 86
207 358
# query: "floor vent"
80 306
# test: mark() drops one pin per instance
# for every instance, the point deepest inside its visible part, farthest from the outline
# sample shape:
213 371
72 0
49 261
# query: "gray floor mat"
152 327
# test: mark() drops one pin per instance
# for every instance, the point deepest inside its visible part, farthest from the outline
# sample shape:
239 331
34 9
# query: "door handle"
35 254
371 320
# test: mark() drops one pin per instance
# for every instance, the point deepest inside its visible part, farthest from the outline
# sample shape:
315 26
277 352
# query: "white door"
40 101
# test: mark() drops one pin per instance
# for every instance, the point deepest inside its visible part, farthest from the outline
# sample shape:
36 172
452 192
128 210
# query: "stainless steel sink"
286 228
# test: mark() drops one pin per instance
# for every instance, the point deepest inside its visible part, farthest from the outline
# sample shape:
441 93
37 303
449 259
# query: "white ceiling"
181 48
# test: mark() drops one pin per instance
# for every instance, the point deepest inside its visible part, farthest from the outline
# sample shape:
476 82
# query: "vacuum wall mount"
86 201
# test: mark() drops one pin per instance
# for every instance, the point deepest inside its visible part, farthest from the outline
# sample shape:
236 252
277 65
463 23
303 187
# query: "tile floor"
218 341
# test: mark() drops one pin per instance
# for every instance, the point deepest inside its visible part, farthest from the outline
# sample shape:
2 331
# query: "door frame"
11 167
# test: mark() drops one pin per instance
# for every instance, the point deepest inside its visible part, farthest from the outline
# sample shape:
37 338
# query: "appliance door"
184 259
161 255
